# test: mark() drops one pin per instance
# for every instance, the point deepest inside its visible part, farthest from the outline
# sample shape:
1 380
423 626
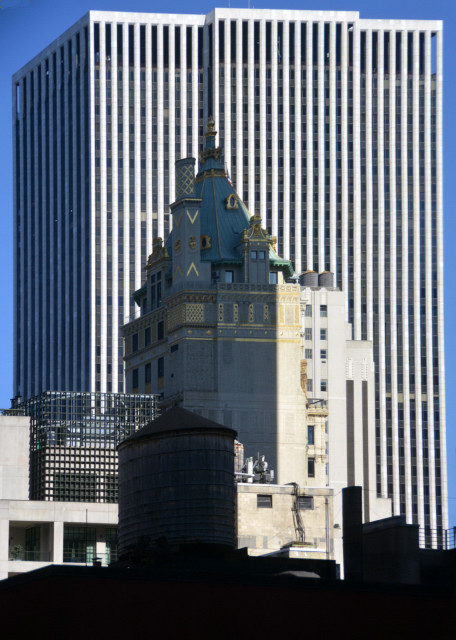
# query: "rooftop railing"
434 539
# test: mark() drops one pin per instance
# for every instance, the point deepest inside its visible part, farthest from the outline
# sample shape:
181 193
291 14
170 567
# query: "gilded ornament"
192 242
231 201
205 242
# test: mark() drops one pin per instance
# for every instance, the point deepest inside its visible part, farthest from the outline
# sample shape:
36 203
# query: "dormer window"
229 277
231 202
205 242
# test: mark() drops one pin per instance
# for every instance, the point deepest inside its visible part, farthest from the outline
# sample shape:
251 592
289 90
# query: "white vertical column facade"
227 111
59 213
298 209
149 225
405 278
43 335
369 192
86 380
138 261
309 144
381 261
251 117
206 113
115 212
195 89
66 216
440 310
275 132
73 291
239 114
36 266
285 205
332 151
22 291
215 75
103 256
263 184
393 274
172 117
15 117
160 130
321 146
344 157
93 310
428 281
416 271
126 172
183 57
357 181
53 346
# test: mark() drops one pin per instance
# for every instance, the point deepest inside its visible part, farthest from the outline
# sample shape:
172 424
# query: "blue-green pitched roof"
224 226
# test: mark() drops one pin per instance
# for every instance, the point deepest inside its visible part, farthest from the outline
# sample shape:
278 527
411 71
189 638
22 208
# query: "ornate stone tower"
224 340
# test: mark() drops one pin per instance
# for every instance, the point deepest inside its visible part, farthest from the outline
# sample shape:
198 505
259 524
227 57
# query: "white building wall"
14 457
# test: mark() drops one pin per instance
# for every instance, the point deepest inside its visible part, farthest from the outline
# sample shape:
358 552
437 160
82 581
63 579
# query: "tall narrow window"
161 372
311 467
310 434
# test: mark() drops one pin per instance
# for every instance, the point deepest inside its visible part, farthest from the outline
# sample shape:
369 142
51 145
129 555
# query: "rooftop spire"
211 151
210 133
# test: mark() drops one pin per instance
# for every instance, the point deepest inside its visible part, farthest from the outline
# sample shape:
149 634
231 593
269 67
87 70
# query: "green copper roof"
280 263
139 293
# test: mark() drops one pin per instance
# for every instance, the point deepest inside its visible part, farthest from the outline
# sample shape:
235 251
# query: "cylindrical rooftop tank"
176 483
326 279
308 279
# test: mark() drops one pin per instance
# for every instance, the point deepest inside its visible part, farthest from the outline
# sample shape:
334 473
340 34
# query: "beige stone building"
220 329
271 518
224 330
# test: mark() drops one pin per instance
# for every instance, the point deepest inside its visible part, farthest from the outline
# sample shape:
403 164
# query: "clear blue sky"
27 26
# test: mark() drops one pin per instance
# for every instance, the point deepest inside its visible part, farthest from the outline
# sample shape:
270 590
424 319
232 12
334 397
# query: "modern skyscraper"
332 129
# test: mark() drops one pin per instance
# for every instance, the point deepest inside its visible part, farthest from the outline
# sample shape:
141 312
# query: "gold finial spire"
210 133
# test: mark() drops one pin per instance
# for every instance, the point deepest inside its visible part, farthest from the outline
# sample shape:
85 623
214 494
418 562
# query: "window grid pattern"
73 440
